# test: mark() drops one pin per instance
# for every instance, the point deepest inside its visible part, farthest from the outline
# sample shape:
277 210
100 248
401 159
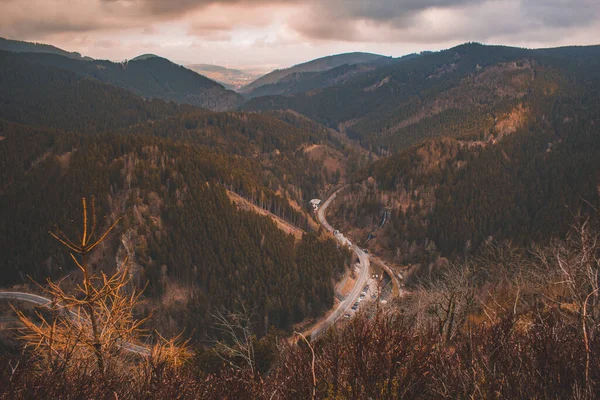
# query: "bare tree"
94 321
576 263
447 302
237 343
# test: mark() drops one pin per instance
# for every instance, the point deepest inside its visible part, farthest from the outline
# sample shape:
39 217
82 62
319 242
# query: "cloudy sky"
278 33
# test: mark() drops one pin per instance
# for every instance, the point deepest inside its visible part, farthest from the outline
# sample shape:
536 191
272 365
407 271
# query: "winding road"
320 329
358 285
45 302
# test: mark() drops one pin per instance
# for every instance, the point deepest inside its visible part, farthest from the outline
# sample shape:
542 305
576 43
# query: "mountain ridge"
150 77
18 46
368 106
316 65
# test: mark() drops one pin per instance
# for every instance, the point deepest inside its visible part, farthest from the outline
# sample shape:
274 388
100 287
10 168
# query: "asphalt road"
363 276
44 302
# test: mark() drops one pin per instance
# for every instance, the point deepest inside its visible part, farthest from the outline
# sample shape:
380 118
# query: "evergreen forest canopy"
168 170
514 156
454 90
150 78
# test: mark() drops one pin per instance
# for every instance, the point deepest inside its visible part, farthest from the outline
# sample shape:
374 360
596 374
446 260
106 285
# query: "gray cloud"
345 20
291 24
397 20
170 8
562 13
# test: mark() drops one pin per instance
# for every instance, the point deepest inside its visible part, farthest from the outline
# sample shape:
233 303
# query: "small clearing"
511 122
331 158
285 226
64 160
376 86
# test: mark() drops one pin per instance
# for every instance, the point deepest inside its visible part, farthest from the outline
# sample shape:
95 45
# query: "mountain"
44 95
148 77
230 78
17 46
381 108
318 65
177 175
299 82
144 57
506 152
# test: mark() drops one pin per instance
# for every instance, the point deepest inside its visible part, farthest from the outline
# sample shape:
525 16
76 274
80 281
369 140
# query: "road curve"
358 285
44 302
28 297
393 275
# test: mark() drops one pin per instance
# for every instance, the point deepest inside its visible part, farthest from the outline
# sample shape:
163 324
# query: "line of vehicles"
362 297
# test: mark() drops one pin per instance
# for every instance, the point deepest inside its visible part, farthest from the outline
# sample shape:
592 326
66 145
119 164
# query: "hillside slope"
149 77
167 170
48 96
17 46
522 173
318 65
467 83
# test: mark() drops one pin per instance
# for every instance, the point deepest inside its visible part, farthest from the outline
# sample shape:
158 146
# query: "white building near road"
315 203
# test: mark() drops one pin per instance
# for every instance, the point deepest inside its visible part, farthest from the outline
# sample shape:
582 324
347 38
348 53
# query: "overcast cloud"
276 33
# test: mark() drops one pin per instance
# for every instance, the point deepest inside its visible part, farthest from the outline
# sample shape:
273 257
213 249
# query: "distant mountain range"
148 76
383 107
298 82
318 65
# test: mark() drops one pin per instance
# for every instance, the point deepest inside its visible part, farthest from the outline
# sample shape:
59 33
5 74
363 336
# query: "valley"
355 226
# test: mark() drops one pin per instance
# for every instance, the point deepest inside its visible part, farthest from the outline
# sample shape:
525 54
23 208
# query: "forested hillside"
453 92
470 177
315 66
150 78
523 175
51 97
166 169
299 82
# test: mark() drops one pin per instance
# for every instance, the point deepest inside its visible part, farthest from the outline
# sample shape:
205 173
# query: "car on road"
346 316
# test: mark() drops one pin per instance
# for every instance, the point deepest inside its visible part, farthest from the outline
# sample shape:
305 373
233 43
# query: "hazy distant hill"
230 78
150 77
144 57
318 65
18 46
299 82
